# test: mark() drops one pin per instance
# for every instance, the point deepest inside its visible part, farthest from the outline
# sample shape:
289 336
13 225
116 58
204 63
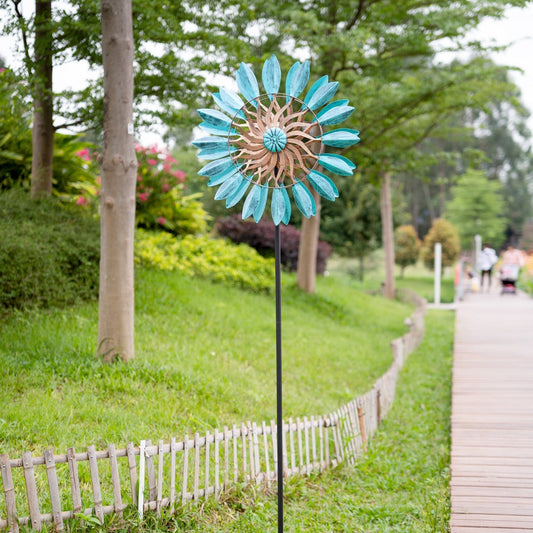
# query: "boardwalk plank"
492 416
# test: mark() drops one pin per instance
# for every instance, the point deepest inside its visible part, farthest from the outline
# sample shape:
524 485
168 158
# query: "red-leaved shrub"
261 237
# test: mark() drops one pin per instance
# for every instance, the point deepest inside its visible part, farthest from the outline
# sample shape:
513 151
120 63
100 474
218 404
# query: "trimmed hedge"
261 237
214 259
49 252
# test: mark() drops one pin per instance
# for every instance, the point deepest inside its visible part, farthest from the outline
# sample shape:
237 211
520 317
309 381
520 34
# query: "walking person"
487 260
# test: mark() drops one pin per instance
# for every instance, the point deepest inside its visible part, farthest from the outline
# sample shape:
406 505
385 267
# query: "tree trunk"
387 235
307 251
43 103
118 169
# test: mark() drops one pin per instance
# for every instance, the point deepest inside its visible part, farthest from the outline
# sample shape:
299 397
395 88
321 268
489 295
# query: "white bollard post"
477 248
437 268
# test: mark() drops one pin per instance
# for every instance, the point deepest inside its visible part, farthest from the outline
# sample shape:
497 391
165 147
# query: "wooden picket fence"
55 488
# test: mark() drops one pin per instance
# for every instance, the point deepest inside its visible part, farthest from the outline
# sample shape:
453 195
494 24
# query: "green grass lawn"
416 278
205 357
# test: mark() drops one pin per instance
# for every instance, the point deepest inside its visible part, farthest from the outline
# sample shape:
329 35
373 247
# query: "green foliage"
214 259
15 132
406 246
445 233
49 253
476 209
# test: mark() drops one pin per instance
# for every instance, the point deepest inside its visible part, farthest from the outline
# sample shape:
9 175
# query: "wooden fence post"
9 492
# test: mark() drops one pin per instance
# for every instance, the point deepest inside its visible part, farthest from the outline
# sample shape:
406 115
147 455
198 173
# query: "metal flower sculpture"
275 141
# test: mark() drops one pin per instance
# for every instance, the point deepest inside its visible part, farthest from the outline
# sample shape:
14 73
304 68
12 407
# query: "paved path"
492 415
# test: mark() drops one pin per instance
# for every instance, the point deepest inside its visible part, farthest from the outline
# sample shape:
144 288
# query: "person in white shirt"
487 260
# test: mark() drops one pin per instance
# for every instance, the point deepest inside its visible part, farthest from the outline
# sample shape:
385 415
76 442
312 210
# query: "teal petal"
215 119
231 98
341 138
216 167
226 106
238 194
334 113
215 153
288 79
259 210
229 187
323 95
323 185
271 75
277 206
319 83
336 163
209 142
221 177
247 83
252 201
299 79
216 130
304 200
287 215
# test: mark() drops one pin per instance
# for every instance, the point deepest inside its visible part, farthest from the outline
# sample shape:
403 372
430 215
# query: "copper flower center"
274 142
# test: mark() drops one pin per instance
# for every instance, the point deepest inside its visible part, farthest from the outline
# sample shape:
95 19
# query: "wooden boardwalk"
492 415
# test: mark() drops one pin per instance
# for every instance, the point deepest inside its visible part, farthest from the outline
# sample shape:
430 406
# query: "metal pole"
279 396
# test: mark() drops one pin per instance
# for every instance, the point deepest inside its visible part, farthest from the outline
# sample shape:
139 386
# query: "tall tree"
477 209
118 170
43 102
381 52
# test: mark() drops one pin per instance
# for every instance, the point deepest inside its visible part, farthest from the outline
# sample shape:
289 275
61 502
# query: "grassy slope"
205 358
399 486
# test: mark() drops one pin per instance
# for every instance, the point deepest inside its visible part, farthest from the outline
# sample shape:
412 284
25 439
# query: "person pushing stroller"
512 262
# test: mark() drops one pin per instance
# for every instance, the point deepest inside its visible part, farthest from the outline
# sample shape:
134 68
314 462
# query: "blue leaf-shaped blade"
271 75
334 113
304 200
217 130
323 185
288 79
238 194
247 83
323 95
208 143
229 187
341 138
231 98
337 163
259 210
319 83
216 119
214 153
299 79
216 167
251 202
277 206
221 177
287 215
227 107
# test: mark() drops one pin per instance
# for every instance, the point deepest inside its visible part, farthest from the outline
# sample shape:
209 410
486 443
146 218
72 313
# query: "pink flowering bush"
161 202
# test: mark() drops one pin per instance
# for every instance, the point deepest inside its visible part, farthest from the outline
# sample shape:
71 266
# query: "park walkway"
492 415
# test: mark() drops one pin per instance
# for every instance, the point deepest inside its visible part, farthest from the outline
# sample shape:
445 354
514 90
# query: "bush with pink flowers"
161 199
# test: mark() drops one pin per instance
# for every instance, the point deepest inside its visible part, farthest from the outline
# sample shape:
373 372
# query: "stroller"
509 277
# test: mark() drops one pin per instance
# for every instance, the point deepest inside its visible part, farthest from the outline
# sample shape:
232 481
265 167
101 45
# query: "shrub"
406 246
161 202
261 237
214 259
49 252
445 233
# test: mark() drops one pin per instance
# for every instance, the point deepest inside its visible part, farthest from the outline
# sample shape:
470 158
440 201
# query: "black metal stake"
279 396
